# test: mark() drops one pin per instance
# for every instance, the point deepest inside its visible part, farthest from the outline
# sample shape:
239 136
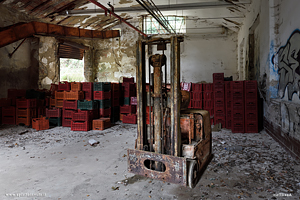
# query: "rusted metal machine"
173 142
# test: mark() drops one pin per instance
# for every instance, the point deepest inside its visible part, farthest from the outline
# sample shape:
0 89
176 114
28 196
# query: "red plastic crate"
115 87
40 123
250 85
68 113
238 117
228 105
9 111
26 112
13 94
148 109
74 95
52 102
238 128
59 95
70 104
133 101
54 112
128 109
219 104
218 77
208 95
83 115
251 101
197 104
251 127
87 86
26 103
251 94
88 95
197 87
101 124
220 120
228 86
219 95
105 112
251 107
208 87
238 96
130 119
66 122
100 95
59 103
128 80
197 96
237 86
251 117
64 86
219 86
8 119
76 86
148 118
4 102
23 120
238 107
208 104
80 126
219 113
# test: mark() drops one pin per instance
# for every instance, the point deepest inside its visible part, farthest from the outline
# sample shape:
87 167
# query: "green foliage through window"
151 26
71 70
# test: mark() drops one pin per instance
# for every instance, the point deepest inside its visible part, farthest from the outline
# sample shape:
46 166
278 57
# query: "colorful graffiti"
287 61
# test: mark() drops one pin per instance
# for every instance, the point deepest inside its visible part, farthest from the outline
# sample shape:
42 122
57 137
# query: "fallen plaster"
62 164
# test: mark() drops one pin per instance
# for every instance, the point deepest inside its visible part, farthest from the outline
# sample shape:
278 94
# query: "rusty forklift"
174 144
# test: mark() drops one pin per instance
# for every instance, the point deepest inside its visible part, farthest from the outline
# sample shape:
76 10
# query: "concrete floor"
60 164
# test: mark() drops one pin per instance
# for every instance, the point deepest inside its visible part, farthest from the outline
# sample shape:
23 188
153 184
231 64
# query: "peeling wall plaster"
21 70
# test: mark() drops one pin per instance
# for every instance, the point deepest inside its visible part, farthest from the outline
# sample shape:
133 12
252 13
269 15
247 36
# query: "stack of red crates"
251 107
87 88
128 113
115 102
5 102
9 115
82 120
238 104
196 95
219 99
60 93
69 107
25 111
102 93
228 103
14 94
129 90
41 123
208 100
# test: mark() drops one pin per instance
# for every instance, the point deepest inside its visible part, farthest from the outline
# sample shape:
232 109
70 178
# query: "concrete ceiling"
202 15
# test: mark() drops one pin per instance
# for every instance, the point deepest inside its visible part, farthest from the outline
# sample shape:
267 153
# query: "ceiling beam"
171 7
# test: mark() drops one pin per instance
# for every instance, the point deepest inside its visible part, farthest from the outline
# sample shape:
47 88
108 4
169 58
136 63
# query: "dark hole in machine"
150 164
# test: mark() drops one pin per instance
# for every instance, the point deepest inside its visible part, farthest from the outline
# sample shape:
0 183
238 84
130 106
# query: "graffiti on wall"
290 119
287 61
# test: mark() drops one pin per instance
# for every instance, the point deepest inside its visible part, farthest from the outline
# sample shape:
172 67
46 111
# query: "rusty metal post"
141 87
175 97
156 62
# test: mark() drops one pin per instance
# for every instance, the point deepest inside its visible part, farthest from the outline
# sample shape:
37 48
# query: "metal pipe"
117 16
11 54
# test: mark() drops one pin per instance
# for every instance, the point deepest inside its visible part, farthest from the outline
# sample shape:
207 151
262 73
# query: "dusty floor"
60 164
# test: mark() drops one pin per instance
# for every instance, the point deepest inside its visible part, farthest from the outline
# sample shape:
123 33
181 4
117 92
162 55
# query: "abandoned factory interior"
148 99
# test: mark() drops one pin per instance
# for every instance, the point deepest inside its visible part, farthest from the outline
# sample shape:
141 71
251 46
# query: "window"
71 70
151 26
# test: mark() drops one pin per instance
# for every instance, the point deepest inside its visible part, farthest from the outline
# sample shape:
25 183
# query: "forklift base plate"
175 167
